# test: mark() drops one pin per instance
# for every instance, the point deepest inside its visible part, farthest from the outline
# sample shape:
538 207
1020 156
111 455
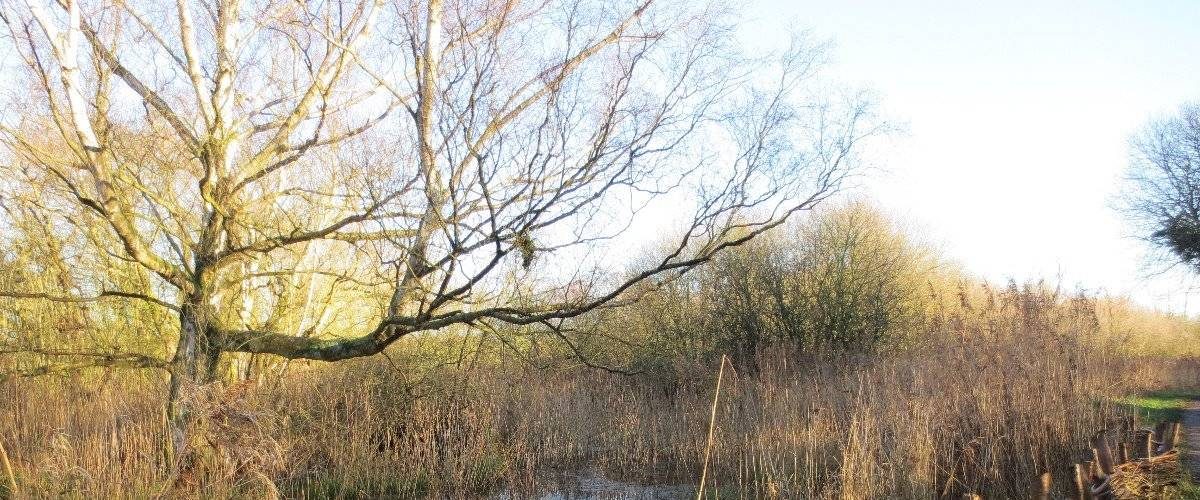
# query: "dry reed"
1000 391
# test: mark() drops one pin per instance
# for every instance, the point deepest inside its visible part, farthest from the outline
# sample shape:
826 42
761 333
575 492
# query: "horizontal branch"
297 347
93 360
102 295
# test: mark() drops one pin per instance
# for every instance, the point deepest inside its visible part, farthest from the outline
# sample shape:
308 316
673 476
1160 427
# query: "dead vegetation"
1005 389
1144 463
1148 478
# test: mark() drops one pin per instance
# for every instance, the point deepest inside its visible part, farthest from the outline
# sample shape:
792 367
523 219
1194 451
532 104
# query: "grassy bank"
1159 406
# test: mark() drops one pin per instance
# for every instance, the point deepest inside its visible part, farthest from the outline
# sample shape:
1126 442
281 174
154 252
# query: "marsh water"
593 485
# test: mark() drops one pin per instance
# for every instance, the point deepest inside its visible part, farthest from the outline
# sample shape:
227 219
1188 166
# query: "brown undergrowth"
998 391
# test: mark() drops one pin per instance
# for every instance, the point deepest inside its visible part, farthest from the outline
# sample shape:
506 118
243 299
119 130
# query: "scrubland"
861 366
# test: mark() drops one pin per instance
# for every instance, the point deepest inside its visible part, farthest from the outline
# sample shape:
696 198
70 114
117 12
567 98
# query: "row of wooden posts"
1137 449
1094 478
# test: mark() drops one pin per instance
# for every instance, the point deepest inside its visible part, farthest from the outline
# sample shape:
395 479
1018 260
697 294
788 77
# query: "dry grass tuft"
1147 477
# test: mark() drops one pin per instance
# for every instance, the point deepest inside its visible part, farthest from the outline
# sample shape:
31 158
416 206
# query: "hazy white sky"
1018 116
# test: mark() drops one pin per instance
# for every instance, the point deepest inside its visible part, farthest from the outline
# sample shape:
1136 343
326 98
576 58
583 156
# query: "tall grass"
1004 386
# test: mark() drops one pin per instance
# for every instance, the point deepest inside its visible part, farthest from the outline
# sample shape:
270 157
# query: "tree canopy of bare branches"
1164 181
317 180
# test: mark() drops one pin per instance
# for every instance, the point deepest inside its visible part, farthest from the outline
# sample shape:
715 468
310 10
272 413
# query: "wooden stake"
1083 483
1103 454
1143 443
1041 490
1169 438
1160 432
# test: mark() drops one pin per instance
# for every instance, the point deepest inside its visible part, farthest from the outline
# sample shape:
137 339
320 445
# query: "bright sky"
1018 116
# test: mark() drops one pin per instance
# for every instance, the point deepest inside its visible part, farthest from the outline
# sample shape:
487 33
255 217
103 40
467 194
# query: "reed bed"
993 396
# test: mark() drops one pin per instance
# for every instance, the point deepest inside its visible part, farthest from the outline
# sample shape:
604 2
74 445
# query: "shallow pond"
593 485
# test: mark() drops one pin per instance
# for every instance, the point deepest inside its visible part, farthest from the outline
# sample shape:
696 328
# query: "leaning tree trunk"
194 366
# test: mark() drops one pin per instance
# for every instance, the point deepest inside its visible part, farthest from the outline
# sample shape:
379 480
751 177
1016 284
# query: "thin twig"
712 421
12 478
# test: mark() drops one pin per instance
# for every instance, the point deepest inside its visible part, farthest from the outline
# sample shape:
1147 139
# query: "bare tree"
413 166
1163 198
